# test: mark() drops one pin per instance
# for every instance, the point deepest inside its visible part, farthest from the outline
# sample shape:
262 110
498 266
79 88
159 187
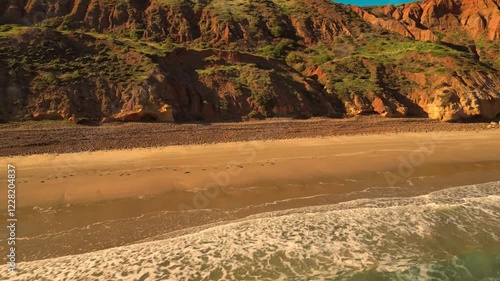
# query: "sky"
372 2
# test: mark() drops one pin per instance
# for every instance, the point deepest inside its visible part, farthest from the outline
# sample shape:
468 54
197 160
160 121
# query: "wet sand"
81 202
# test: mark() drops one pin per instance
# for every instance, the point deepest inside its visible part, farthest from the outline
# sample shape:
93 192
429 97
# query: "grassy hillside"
328 59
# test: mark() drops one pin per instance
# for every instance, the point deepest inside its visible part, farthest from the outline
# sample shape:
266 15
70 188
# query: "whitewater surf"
450 234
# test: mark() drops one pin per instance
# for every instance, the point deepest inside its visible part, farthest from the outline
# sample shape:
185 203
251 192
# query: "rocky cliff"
435 20
218 60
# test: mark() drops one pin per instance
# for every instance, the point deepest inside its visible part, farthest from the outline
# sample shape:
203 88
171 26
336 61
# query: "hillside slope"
218 60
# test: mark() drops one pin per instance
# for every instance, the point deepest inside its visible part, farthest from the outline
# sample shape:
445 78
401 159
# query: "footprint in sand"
42 181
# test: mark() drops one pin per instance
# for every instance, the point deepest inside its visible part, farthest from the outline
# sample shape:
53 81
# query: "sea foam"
415 238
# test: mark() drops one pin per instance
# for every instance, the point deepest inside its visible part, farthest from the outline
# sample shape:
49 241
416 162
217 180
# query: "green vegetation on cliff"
246 58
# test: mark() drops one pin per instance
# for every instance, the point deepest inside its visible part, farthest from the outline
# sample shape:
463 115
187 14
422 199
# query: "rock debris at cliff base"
27 138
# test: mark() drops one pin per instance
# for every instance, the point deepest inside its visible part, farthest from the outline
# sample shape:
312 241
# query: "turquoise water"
373 2
451 234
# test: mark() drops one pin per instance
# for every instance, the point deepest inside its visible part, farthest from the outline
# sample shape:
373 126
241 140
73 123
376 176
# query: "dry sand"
48 179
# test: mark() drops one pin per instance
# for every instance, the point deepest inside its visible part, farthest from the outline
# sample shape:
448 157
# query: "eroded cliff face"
454 96
225 60
433 19
182 85
218 21
462 96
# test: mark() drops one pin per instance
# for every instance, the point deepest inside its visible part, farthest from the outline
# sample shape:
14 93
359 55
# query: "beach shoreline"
70 203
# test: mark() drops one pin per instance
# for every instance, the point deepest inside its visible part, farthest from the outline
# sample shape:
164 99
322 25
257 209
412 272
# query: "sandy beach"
81 202
54 179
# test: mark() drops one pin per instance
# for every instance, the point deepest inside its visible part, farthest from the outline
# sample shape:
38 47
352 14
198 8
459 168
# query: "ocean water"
451 234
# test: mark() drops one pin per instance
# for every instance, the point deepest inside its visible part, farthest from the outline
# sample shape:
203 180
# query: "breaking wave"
451 234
